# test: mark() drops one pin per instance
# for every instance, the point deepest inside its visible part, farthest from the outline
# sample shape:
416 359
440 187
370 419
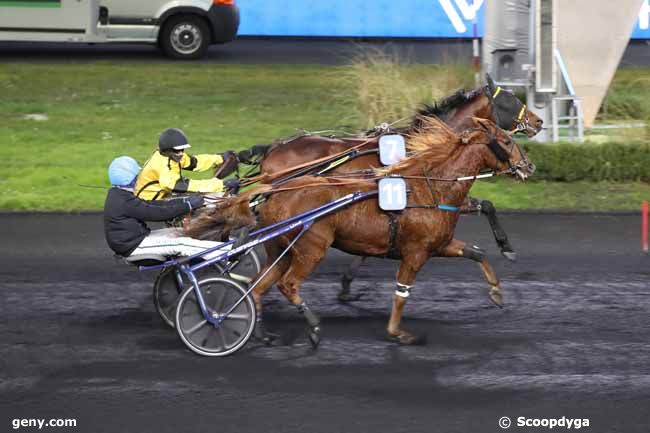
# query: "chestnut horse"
489 102
413 235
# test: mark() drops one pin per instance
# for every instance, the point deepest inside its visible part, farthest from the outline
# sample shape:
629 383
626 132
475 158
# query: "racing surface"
81 339
251 50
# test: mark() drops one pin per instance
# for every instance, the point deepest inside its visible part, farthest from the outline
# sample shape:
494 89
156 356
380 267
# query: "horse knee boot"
473 252
313 332
500 236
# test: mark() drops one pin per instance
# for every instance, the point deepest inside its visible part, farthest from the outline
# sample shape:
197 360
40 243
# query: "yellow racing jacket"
161 176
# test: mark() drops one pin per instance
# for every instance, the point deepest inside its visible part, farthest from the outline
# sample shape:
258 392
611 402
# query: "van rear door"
48 20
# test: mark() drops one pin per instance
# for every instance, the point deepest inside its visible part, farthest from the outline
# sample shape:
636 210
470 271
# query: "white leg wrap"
403 291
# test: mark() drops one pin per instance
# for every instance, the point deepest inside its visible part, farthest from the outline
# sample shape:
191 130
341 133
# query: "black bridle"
504 155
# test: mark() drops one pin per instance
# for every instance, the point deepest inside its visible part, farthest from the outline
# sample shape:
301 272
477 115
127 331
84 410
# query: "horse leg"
348 277
486 208
263 286
303 263
290 288
458 248
409 268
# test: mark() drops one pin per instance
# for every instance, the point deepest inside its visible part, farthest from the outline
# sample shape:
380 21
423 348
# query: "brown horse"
417 233
458 110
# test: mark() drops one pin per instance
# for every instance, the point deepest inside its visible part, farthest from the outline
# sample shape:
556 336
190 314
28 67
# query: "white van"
183 29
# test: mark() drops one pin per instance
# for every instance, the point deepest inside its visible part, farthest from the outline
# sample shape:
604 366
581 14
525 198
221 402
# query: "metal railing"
574 121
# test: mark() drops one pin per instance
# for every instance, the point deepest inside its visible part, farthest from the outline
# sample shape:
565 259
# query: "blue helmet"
123 171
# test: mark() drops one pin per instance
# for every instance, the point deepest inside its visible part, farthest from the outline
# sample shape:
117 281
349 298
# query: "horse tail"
229 214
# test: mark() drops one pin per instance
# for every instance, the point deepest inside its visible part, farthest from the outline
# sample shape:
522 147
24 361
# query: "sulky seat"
142 259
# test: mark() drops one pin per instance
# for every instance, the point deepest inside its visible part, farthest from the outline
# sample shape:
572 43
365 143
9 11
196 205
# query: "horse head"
505 155
509 112
229 214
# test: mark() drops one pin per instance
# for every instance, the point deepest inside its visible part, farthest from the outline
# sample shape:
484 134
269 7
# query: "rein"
264 178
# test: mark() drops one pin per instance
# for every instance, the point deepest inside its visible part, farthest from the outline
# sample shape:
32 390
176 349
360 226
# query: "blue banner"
360 18
642 27
375 18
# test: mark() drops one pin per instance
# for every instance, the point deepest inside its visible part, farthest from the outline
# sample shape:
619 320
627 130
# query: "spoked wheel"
168 288
206 339
244 267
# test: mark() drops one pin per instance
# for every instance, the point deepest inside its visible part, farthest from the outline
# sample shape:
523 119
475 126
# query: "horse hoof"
510 255
345 284
346 297
264 337
405 338
314 336
496 297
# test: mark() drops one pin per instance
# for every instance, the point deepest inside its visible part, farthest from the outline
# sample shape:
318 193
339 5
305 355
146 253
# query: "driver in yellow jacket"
161 175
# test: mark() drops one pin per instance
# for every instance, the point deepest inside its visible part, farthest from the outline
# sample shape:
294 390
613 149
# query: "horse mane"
229 214
446 107
433 142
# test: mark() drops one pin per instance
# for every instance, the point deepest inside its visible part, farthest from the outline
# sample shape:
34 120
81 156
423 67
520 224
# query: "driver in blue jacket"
125 215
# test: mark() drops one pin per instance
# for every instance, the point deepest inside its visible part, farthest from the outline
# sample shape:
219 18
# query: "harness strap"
497 92
145 186
336 163
498 151
393 225
270 177
521 113
446 207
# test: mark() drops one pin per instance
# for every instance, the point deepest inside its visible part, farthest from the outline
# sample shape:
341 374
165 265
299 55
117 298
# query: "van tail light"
223 2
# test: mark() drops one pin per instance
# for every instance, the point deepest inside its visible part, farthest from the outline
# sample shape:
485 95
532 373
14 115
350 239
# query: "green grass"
99 111
580 196
627 97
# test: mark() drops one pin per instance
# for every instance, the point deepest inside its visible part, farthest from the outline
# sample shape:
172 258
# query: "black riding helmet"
172 139
172 142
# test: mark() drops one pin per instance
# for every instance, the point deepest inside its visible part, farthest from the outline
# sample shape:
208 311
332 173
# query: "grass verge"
579 196
98 111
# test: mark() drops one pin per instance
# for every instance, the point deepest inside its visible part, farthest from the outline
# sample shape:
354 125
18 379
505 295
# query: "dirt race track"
80 339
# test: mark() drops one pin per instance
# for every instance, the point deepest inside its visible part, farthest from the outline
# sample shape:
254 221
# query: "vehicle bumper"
225 22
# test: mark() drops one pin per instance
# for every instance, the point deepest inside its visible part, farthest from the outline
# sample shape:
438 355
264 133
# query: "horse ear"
490 83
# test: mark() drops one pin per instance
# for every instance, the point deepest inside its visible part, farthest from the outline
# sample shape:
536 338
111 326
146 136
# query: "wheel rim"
203 337
186 38
167 293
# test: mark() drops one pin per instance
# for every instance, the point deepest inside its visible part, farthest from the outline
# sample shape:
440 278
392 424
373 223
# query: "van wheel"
185 37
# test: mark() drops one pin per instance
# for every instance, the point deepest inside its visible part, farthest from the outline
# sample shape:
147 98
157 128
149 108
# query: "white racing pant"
171 242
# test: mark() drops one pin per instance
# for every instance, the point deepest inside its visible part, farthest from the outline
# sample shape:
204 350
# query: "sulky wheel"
206 339
169 286
244 268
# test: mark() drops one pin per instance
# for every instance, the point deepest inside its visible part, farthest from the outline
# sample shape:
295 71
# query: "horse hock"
347 278
475 253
